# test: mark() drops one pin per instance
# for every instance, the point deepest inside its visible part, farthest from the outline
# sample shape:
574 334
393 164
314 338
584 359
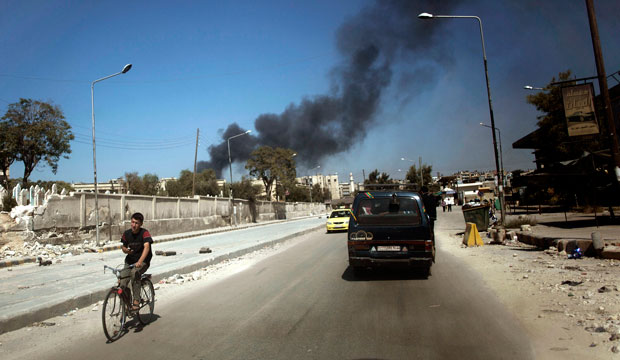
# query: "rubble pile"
583 292
43 246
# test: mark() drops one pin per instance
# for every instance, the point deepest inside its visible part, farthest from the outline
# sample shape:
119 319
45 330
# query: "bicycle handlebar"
115 271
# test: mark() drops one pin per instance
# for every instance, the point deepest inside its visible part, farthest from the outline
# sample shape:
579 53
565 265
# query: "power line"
137 147
119 140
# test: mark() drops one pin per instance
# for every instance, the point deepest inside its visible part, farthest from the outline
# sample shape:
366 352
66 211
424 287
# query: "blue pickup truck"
390 228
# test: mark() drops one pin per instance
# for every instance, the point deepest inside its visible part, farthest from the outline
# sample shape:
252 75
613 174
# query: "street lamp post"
230 168
92 103
501 157
486 75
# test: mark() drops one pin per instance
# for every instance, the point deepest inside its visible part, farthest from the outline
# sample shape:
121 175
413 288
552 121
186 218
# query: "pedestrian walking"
443 204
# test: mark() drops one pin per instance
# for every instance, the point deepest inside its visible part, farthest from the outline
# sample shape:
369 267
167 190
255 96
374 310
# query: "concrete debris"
44 324
44 262
572 283
196 275
165 253
204 250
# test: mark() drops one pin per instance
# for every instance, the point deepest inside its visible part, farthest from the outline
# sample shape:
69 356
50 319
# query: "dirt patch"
570 307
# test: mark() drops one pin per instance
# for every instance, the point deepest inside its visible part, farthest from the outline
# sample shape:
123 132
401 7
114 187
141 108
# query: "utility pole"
195 158
421 173
602 82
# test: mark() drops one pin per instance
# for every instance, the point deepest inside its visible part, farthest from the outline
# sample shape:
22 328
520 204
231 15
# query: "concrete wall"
163 215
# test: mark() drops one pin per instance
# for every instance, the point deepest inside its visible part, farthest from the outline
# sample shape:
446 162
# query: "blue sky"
207 64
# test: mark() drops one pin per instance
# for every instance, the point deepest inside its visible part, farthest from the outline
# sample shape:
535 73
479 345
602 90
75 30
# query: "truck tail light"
428 245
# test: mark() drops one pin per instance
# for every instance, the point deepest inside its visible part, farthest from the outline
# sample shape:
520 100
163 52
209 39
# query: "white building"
329 182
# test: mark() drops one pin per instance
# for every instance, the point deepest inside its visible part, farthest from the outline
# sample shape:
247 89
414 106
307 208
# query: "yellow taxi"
338 220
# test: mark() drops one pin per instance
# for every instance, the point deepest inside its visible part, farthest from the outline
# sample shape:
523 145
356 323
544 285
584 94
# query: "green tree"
42 134
245 190
378 178
269 164
317 193
150 184
298 193
413 174
8 150
134 183
206 184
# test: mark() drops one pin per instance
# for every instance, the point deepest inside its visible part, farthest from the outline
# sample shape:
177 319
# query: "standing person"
443 204
450 202
430 204
137 245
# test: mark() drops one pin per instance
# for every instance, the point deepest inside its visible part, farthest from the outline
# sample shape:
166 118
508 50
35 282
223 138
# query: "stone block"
611 252
499 236
569 245
597 241
525 237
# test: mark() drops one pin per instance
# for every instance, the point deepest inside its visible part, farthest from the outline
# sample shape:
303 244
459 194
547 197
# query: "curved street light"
486 75
530 87
92 102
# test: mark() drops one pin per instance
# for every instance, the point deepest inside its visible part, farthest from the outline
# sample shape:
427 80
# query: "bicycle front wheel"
113 315
147 302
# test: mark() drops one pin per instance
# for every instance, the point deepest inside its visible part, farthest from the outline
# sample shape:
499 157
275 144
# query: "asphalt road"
305 303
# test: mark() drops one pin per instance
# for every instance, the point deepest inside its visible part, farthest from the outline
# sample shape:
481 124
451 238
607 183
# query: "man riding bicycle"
137 245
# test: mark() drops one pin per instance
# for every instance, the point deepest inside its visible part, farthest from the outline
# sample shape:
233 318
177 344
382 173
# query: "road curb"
15 262
87 298
30 259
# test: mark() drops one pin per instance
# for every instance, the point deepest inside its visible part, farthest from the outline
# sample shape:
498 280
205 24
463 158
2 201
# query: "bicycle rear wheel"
147 302
113 315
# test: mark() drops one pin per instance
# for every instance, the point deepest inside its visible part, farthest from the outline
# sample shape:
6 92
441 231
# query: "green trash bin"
478 215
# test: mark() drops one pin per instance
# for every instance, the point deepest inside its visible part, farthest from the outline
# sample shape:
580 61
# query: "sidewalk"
32 293
569 231
156 239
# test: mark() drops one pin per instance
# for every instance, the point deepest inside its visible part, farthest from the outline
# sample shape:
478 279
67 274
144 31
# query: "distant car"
338 220
390 228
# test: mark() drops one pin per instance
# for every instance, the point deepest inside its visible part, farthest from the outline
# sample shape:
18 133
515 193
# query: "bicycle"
118 304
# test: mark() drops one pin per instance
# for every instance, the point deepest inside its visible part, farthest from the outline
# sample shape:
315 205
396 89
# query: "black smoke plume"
370 44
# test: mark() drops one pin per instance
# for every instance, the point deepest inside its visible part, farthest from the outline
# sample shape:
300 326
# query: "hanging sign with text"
579 109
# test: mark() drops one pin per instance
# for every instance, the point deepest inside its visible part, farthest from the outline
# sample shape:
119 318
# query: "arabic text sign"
579 109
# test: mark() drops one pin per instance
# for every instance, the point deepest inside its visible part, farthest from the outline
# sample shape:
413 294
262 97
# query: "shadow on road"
135 325
581 223
384 274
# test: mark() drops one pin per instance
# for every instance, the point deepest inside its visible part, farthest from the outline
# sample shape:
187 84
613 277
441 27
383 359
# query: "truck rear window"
388 211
